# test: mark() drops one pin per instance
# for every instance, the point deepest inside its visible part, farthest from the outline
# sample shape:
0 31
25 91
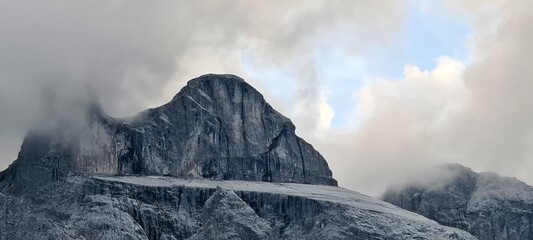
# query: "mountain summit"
91 176
216 127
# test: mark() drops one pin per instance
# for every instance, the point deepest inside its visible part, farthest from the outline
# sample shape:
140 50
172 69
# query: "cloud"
138 54
494 131
326 114
477 112
403 118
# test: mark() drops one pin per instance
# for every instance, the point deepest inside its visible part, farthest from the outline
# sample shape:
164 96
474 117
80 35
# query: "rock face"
226 216
217 127
485 204
170 208
216 162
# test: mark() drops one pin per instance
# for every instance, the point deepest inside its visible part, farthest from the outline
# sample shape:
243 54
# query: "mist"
137 54
475 112
133 55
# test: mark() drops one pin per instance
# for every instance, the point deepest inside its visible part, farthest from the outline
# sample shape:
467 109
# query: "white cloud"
478 114
419 92
137 54
404 119
326 114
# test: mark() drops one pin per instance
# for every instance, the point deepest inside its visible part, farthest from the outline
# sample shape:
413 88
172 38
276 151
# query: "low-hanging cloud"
400 135
137 54
495 130
477 112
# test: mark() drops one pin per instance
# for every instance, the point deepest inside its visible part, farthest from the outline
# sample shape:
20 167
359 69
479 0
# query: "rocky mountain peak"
211 85
485 204
64 185
227 216
217 127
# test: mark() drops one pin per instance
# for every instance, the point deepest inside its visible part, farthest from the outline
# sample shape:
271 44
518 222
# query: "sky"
382 88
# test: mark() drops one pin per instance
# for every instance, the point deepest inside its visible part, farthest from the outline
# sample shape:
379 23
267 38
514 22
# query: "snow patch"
202 107
204 94
316 192
165 119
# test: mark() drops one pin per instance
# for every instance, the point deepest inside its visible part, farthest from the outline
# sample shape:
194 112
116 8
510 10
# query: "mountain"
485 204
158 207
216 162
217 127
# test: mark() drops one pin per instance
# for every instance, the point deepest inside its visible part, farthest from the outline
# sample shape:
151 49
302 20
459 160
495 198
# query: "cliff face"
216 162
485 204
217 127
170 208
226 131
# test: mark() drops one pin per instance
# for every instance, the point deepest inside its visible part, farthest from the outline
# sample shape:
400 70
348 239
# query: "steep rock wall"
216 127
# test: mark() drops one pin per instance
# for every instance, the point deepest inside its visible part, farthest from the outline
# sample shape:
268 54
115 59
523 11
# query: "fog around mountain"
134 55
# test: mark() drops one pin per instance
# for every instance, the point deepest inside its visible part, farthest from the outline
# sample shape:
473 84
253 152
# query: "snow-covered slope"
315 192
170 208
339 214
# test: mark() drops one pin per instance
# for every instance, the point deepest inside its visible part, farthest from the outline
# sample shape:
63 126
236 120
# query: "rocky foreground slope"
69 180
485 204
171 208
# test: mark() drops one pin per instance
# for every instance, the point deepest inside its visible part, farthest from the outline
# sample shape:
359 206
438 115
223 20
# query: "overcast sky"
381 88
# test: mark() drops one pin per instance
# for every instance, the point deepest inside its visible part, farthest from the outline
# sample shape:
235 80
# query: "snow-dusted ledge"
315 192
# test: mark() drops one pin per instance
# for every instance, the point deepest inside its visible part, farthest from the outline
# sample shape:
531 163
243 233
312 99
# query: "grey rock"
216 162
485 204
172 208
226 216
217 127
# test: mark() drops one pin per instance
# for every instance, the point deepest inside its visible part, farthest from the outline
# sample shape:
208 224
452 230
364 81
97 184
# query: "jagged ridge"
217 127
169 208
485 204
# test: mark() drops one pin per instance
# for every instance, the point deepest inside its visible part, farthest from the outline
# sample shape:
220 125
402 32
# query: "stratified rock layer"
217 127
485 204
169 208
226 216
